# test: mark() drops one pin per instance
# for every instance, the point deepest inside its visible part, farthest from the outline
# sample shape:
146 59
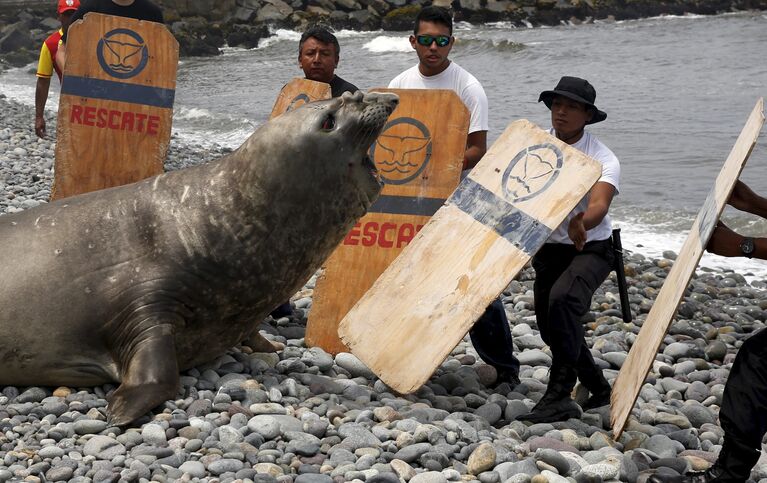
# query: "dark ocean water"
677 91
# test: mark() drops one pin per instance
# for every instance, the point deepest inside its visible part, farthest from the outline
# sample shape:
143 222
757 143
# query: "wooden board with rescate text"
642 354
498 217
116 104
419 155
298 92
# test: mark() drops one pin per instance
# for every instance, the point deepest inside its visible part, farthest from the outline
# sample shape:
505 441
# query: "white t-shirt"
611 172
456 79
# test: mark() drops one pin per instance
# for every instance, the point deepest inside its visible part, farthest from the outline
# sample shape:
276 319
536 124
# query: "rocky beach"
302 415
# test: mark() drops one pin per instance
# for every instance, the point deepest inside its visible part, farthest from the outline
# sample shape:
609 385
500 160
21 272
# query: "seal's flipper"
149 377
259 343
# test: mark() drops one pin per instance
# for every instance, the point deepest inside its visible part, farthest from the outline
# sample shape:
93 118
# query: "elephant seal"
135 283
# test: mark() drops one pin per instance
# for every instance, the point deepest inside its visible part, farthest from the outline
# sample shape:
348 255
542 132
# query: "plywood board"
298 92
116 104
642 354
419 155
500 215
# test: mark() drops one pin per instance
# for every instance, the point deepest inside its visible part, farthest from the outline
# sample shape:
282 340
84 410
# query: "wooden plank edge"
620 420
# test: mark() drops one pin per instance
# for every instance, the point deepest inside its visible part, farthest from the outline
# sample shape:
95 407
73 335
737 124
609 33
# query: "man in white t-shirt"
574 261
432 40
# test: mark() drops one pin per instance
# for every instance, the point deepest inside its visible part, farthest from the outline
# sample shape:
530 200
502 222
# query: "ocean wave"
463 25
686 16
233 50
484 44
386 43
279 35
506 25
346 33
180 113
200 124
17 84
213 138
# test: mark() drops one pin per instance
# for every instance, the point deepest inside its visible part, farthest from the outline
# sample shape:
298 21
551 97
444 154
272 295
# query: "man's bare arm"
41 97
476 146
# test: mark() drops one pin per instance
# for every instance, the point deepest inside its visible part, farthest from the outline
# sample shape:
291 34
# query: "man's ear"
592 112
412 41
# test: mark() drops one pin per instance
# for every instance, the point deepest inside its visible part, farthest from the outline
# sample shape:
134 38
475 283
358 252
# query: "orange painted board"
501 214
419 155
116 105
298 92
631 377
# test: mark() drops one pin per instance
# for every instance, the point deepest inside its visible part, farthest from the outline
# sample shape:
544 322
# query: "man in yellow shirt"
46 64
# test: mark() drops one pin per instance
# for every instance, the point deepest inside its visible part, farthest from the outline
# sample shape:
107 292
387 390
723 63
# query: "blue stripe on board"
406 205
118 91
519 228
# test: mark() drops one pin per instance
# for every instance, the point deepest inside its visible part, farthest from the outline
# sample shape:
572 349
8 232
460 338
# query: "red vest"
52 42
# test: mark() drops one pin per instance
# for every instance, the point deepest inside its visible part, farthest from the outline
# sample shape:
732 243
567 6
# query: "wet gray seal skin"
133 284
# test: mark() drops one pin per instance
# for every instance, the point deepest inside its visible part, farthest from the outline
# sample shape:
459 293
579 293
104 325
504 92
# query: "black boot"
591 378
283 310
600 392
509 377
733 465
556 404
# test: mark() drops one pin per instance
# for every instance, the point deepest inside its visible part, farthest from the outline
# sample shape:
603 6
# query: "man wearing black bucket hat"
574 261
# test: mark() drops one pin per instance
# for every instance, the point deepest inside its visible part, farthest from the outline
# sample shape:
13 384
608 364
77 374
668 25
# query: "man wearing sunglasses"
432 40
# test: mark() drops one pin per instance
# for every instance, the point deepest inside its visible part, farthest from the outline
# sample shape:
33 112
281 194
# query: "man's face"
65 18
568 116
432 58
318 60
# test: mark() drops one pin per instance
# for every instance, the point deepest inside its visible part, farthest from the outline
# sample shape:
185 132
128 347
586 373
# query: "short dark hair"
433 14
320 33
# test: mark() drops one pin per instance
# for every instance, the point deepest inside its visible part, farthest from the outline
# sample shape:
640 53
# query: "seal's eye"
329 123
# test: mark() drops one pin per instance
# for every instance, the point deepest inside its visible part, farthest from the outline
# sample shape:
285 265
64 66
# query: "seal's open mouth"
368 163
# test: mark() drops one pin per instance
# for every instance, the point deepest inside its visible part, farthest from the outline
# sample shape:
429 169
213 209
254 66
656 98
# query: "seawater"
677 90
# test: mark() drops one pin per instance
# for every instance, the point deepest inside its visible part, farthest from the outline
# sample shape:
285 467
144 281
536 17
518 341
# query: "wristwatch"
747 247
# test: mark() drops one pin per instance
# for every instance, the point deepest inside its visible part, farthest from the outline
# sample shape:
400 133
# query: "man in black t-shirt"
318 56
138 9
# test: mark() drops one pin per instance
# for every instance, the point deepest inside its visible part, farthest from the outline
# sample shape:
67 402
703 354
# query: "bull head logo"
122 53
402 151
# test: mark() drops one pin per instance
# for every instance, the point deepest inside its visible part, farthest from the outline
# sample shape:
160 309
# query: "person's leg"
569 299
592 379
549 264
492 339
743 414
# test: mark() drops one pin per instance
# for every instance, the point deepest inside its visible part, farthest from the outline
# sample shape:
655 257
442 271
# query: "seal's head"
329 141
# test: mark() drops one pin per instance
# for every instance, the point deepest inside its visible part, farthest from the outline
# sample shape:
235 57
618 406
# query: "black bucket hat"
576 89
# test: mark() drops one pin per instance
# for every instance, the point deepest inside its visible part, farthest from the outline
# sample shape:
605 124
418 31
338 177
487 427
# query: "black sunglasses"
426 40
